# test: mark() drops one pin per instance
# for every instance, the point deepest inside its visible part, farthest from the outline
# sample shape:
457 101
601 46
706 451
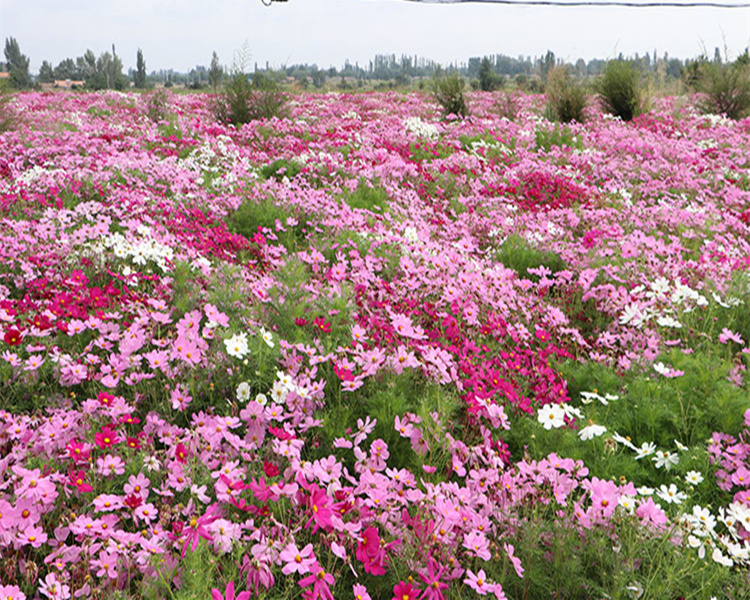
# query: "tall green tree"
139 79
67 69
46 72
18 65
215 73
487 79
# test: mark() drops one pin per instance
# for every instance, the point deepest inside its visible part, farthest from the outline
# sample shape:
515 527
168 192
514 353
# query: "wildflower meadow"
364 351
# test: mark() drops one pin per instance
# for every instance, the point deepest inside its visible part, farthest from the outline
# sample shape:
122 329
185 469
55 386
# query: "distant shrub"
725 88
517 254
619 90
157 106
566 98
281 168
508 105
562 137
242 101
8 116
448 91
372 198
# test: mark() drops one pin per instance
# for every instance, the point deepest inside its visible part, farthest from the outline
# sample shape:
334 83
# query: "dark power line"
647 4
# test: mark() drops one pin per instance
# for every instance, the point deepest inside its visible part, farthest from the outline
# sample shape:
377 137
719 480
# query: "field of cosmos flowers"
365 351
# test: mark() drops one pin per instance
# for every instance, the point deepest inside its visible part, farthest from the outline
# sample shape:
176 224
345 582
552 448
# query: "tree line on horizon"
486 73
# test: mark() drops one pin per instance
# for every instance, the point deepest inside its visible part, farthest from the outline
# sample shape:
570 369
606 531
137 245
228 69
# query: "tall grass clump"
724 88
448 91
566 98
619 90
242 101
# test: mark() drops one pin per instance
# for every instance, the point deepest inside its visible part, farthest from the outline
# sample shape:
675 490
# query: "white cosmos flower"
261 399
644 490
243 392
665 459
646 449
671 495
624 441
551 415
589 397
267 337
237 345
591 431
627 502
718 557
693 477
667 321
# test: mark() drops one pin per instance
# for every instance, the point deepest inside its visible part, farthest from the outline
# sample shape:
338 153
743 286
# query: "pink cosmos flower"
53 589
370 552
146 513
320 580
478 582
360 592
515 561
33 536
11 592
433 585
321 512
478 544
297 561
229 593
198 528
405 591
106 565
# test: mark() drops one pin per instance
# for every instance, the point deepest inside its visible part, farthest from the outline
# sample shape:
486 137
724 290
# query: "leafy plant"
619 90
725 88
558 136
368 197
517 254
448 91
157 106
566 98
243 101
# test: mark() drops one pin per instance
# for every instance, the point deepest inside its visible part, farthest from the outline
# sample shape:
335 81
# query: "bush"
157 106
725 88
8 115
619 90
508 105
242 101
566 98
448 91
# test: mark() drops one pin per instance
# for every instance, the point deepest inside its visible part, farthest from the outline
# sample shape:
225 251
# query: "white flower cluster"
715 120
140 251
216 157
727 549
36 172
658 301
421 129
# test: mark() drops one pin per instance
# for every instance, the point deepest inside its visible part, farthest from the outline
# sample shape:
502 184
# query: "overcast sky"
181 34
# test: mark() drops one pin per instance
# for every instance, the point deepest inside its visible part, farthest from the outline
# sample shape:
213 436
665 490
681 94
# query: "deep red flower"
299 321
322 324
129 419
281 434
105 399
13 337
133 442
405 591
76 480
370 552
182 453
106 438
133 501
270 469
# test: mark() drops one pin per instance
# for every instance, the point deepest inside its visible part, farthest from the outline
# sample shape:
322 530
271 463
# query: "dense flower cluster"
141 316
